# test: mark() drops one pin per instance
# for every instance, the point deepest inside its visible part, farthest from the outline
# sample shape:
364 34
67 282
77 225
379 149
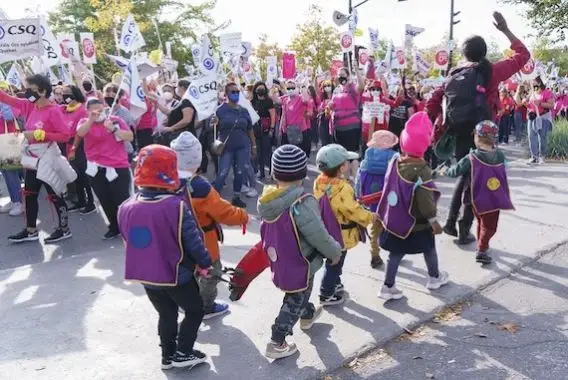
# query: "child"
489 188
296 241
408 207
371 178
333 161
209 209
163 246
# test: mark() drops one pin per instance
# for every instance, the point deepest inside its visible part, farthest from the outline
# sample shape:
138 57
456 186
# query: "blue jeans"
520 126
237 159
538 139
332 276
14 184
249 177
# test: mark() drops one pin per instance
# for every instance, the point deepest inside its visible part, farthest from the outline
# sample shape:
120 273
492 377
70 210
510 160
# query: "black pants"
505 129
464 143
306 144
82 183
325 137
167 301
144 138
206 139
264 152
32 187
350 139
112 194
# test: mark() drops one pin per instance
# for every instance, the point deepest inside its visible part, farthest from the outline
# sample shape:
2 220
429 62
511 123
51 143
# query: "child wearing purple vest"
408 207
488 191
296 242
163 247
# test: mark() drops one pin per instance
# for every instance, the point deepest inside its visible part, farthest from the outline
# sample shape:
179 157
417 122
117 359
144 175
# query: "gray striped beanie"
289 164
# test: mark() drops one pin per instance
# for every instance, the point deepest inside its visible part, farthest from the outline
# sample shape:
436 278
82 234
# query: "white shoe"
17 209
6 208
245 189
252 193
540 160
436 283
387 293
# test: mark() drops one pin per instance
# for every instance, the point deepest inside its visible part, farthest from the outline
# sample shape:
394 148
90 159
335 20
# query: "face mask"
168 96
375 93
87 87
32 96
234 97
327 88
68 98
342 80
109 100
293 92
261 92
102 117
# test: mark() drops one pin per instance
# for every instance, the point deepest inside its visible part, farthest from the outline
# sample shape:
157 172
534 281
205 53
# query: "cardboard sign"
346 41
374 110
202 93
442 58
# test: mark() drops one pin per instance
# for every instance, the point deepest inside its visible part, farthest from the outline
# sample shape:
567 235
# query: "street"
66 313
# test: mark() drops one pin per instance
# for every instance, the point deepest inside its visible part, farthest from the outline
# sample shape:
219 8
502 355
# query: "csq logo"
17 30
140 93
194 92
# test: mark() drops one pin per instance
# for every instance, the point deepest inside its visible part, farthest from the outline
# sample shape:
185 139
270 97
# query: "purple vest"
152 232
330 220
370 184
489 187
396 203
280 240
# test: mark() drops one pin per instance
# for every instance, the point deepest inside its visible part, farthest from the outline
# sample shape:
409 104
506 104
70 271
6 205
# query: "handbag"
10 149
218 146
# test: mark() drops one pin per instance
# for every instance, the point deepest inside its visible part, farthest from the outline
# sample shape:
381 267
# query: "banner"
339 18
442 58
346 42
88 48
50 45
529 71
202 93
131 84
130 38
209 61
410 32
245 103
13 77
336 65
363 57
288 65
231 44
398 60
246 50
374 39
20 39
271 70
67 47
421 65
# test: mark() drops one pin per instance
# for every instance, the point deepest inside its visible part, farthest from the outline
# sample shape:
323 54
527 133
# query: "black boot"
464 236
450 228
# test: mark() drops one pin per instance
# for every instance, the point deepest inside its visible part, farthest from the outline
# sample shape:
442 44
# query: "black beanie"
289 164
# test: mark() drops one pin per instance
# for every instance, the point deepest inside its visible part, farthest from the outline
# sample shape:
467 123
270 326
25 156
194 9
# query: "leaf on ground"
510 327
430 375
480 335
352 363
451 313
417 357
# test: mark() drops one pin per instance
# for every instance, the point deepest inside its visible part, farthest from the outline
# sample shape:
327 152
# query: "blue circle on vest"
392 199
140 237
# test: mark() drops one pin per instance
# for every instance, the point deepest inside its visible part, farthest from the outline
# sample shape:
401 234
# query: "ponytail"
485 68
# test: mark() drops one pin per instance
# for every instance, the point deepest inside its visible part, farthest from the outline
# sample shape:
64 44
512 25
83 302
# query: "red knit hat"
157 168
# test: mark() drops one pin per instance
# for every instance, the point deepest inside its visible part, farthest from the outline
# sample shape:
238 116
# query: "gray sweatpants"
208 289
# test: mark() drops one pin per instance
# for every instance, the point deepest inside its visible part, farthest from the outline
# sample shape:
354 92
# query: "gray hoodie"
307 216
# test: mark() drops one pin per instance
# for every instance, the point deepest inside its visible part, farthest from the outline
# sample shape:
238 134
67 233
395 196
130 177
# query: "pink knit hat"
383 139
417 135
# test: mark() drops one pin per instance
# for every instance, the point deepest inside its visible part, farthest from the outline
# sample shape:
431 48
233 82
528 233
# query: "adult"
520 117
295 122
58 94
539 106
11 176
234 128
107 160
166 101
505 116
405 108
149 120
44 126
180 118
474 50
323 114
110 91
264 128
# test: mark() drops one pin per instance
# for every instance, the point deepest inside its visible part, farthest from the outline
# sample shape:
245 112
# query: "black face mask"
32 96
342 80
109 100
261 92
87 87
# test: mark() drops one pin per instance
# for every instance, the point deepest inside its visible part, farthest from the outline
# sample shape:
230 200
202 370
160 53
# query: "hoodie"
307 217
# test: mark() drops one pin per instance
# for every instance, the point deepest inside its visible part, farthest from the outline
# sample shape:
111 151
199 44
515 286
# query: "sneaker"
339 288
450 230
182 360
252 193
6 208
17 209
276 351
335 299
58 235
466 239
238 203
218 309
376 262
391 293
483 258
24 236
541 161
306 324
110 235
532 161
89 209
75 207
167 362
437 282
245 189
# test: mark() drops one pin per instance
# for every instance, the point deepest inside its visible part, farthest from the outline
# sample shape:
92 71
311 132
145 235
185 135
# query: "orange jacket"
211 210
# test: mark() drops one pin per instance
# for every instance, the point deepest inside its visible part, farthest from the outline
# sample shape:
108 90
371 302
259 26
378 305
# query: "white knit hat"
189 155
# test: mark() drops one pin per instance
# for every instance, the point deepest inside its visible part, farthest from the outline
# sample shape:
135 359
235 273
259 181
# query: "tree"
548 17
265 49
544 51
314 43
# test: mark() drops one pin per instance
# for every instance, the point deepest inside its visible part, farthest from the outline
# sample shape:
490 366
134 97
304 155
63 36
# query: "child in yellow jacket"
353 218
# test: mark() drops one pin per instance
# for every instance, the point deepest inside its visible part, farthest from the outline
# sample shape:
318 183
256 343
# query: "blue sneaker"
218 309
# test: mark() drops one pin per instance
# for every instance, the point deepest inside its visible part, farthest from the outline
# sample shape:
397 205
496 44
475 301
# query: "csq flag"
131 84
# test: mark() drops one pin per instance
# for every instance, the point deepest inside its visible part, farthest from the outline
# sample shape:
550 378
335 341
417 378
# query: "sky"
278 18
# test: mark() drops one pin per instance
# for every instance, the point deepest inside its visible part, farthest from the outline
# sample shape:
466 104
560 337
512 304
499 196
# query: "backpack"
466 103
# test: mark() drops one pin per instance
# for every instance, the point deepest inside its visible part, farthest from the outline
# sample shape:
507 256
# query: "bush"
558 141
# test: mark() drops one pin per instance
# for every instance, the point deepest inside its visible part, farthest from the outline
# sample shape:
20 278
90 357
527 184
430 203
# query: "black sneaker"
58 235
466 239
89 209
167 362
75 207
237 202
335 299
376 262
24 236
181 359
483 258
450 230
110 235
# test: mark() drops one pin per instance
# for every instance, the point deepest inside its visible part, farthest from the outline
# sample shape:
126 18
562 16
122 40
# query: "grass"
558 141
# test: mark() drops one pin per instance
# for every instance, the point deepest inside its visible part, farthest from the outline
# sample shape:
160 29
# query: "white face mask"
327 88
102 117
375 94
293 92
168 96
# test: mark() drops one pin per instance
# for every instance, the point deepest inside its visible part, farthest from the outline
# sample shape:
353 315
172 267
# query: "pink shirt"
48 118
544 96
295 111
101 146
149 119
72 118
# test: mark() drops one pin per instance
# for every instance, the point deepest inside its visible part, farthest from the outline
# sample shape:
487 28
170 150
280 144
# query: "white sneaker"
6 208
252 193
435 283
387 293
245 189
17 209
540 160
532 161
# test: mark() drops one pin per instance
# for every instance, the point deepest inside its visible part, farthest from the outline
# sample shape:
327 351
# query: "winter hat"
334 155
157 168
383 139
189 153
417 135
488 129
289 164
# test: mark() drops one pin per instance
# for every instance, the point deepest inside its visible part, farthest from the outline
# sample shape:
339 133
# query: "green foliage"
558 141
545 51
264 49
548 17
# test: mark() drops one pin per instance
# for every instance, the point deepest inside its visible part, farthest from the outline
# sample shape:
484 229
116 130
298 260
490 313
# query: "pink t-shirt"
295 111
149 119
543 97
72 118
101 146
48 118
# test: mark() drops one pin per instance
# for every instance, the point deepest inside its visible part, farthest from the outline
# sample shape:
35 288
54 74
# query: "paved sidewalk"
74 317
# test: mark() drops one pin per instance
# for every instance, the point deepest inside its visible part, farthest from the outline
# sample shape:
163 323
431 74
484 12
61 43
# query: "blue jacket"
376 162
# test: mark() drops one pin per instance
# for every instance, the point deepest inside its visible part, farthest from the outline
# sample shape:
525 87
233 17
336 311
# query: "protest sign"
50 46
231 44
346 42
88 48
442 58
20 39
288 65
130 38
202 93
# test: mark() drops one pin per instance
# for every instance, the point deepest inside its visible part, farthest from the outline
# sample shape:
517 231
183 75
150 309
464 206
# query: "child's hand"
203 272
437 228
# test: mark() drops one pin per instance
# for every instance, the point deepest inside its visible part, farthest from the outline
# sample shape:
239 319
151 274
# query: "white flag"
37 66
3 15
131 84
271 70
202 93
196 54
19 39
130 38
51 51
353 21
374 39
145 69
13 77
420 64
411 32
209 60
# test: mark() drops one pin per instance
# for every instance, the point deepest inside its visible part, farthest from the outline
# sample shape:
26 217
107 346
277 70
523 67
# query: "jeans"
112 194
504 129
294 306
32 187
332 276
238 160
538 138
167 302
13 183
430 257
520 126
264 153
249 177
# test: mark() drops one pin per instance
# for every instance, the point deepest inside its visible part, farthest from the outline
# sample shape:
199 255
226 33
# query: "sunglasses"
374 89
290 88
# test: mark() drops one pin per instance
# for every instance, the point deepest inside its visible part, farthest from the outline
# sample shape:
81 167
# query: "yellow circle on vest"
493 183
